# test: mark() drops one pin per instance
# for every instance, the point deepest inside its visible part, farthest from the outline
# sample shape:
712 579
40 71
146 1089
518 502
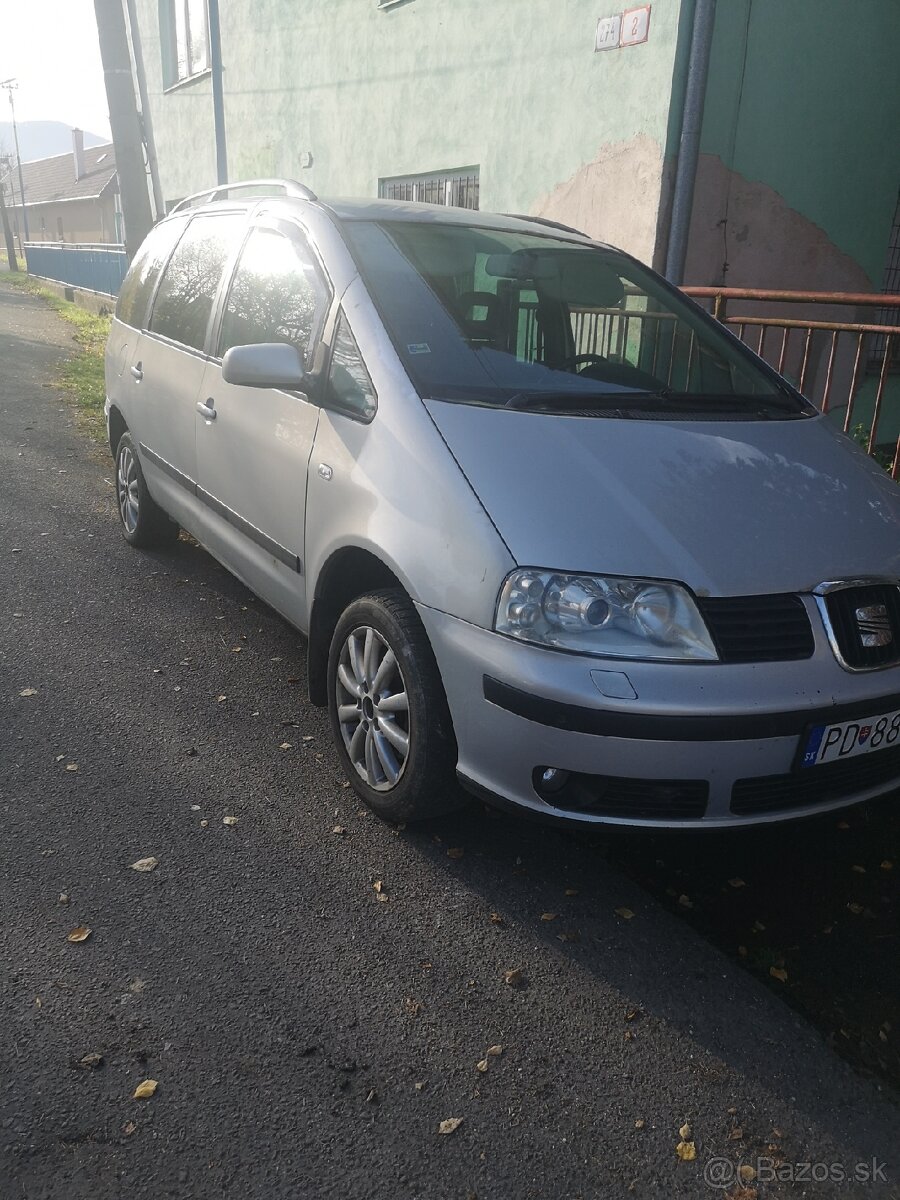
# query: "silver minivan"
552 533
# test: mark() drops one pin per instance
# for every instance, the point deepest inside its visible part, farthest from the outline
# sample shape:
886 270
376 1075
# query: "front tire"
144 523
388 712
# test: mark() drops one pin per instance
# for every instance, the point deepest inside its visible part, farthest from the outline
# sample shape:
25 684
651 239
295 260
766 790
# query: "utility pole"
124 122
11 85
146 122
7 232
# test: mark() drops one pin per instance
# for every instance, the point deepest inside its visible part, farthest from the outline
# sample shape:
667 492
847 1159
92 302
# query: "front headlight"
603 615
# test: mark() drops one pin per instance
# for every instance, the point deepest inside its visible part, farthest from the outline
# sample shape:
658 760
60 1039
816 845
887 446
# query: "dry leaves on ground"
450 1125
29 691
145 864
145 1090
514 977
686 1151
229 820
778 973
80 933
455 852
625 913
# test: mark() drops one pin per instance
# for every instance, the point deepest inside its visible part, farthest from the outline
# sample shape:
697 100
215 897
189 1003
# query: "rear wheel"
144 523
388 710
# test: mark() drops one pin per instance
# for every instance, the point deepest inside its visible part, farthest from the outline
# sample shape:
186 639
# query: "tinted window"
493 316
350 385
188 288
137 287
275 296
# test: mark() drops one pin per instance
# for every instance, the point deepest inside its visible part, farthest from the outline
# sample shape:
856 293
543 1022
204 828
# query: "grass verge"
82 375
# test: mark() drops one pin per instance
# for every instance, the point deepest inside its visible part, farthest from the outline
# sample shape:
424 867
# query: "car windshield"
486 316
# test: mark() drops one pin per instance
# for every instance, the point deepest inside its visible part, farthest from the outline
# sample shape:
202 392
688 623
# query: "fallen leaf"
736 1134
686 1151
737 882
71 766
482 1065
685 1132
128 1128
221 699
628 1035
685 901
858 869
455 852
625 913
204 823
229 820
747 1173
856 909
339 829
378 885
412 1006
514 977
286 746
571 892
80 933
887 865
145 1090
742 951
63 898
29 691
494 1051
639 1123
38 1003
145 864
496 919
91 1061
382 897
778 973
450 1125
548 916
420 1087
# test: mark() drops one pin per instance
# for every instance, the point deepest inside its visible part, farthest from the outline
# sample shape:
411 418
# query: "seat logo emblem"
874 626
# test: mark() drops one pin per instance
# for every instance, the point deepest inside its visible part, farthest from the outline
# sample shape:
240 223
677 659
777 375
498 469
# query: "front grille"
847 607
611 796
816 785
758 628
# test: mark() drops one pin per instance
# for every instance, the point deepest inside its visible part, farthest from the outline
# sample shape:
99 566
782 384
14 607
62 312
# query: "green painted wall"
814 113
513 86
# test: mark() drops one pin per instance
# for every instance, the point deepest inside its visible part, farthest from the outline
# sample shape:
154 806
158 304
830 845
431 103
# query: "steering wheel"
578 360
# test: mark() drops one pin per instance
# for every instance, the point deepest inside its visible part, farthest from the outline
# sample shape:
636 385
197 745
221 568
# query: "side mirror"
266 365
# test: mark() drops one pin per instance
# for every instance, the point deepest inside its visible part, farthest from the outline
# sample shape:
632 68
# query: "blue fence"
99 268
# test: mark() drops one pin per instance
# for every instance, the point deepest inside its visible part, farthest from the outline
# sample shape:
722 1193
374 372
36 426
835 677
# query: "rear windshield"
514 319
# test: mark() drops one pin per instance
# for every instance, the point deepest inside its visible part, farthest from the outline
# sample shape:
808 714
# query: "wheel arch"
349 572
116 425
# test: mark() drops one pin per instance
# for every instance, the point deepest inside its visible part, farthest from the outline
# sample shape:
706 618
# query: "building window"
459 188
184 37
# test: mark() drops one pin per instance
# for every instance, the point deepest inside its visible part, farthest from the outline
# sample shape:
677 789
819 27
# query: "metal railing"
837 363
94 266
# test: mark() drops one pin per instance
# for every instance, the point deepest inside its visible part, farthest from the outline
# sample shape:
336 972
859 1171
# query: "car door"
254 444
168 371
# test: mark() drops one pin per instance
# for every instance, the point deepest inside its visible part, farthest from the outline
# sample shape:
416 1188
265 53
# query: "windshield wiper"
664 400
572 400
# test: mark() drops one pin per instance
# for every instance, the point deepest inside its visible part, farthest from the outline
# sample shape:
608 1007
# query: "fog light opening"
549 779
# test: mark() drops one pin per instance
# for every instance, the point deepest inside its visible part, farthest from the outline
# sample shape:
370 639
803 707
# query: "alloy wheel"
127 489
373 708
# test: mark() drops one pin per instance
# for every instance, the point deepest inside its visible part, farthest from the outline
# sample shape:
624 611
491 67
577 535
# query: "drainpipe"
689 148
215 63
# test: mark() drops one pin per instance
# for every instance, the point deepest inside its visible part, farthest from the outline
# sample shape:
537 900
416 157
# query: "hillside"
42 139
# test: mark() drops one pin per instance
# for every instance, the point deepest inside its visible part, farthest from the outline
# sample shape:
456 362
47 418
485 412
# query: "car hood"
729 508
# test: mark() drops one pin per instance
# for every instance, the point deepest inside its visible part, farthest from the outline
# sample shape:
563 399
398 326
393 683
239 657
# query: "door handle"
137 372
207 409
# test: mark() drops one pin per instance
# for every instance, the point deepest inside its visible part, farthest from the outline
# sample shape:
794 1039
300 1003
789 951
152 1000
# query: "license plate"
849 739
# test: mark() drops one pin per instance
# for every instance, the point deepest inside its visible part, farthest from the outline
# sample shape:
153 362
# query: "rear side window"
276 294
187 291
137 287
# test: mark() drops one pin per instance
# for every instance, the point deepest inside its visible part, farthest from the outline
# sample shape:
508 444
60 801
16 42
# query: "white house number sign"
629 28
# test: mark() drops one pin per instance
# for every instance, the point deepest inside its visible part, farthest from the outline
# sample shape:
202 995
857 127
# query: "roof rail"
290 187
546 221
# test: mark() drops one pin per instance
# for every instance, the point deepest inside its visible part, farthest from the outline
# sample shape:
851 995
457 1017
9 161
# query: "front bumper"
705 744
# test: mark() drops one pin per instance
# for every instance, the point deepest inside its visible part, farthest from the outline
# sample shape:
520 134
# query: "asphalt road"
307 1037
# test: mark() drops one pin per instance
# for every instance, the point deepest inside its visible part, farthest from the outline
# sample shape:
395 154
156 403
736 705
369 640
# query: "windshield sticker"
419 348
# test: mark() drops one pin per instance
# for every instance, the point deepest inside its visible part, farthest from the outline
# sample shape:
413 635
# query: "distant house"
70 197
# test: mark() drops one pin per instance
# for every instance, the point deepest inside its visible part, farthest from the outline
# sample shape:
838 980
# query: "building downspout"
689 146
218 96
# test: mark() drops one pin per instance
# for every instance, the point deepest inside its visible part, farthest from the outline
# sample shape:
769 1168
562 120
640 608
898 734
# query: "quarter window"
349 382
276 294
137 288
187 291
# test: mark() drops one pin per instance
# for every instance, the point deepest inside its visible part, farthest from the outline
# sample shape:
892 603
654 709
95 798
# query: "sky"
50 47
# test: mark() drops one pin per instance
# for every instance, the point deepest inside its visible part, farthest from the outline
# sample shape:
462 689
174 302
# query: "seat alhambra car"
551 531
